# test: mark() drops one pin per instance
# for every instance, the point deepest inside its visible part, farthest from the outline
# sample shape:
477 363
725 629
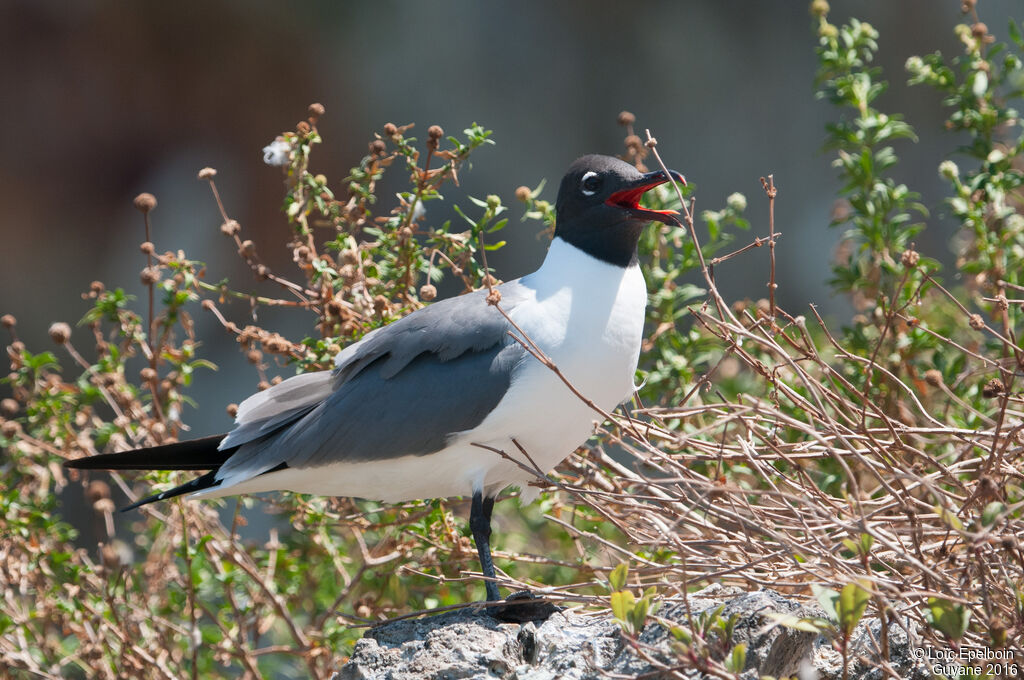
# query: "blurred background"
104 100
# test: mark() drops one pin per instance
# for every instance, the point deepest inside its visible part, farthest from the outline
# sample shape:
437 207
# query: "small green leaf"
948 618
738 659
617 579
804 624
853 600
622 604
827 598
991 513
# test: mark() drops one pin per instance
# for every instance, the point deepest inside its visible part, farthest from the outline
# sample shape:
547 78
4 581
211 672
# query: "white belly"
587 316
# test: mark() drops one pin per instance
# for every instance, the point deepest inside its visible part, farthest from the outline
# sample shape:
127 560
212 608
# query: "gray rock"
467 643
470 644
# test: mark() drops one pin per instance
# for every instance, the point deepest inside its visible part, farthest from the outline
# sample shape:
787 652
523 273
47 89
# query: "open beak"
629 198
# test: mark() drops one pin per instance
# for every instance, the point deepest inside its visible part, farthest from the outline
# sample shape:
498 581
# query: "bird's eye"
590 183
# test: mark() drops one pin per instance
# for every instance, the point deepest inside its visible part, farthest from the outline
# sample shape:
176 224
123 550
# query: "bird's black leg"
480 525
520 607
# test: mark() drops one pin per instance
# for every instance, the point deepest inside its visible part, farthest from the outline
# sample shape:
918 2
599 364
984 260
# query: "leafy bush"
877 467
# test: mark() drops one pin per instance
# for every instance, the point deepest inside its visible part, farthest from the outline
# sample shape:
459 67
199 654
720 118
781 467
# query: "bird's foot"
521 607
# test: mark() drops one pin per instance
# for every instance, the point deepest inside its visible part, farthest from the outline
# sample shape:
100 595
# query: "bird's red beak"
629 198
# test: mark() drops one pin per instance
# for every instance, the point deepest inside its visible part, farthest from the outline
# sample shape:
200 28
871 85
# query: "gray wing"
402 390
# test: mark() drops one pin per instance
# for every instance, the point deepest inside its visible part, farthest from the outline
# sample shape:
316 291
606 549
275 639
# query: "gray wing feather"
402 390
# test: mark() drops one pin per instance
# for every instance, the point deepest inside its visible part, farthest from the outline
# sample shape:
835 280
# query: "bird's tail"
195 454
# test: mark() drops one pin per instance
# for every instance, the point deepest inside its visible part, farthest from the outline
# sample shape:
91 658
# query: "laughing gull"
416 408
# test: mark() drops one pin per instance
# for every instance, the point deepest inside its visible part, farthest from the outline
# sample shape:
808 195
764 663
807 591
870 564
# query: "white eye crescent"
590 183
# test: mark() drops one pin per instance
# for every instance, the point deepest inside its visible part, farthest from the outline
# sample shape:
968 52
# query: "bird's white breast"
587 316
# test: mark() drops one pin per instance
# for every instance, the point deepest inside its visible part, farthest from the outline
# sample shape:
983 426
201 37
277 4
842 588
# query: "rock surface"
468 643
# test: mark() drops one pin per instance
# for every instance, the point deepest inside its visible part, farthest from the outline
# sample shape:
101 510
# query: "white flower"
737 201
949 170
278 152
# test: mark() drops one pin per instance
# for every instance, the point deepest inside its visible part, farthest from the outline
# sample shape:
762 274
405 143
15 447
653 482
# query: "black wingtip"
198 484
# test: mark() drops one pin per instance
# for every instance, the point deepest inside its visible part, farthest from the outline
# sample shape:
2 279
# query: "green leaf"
622 604
617 579
827 598
949 518
853 600
948 618
804 624
992 512
738 659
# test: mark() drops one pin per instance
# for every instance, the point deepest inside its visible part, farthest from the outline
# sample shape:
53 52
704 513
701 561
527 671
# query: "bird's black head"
598 207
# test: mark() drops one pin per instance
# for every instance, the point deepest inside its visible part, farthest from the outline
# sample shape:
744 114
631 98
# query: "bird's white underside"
586 315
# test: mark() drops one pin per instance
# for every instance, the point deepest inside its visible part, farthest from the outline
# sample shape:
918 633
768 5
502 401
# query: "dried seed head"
8 321
987 487
435 132
303 253
634 143
262 272
147 248
494 296
523 194
316 109
378 147
910 258
60 332
149 275
335 308
933 377
303 128
207 173
232 410
230 228
148 374
993 388
97 490
380 304
263 385
626 119
247 249
976 322
96 287
253 356
10 428
9 407
111 558
145 202
275 344
350 256
390 129
208 305
979 30
428 292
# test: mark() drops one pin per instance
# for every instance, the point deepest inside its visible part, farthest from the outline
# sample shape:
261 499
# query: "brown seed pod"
60 332
144 202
